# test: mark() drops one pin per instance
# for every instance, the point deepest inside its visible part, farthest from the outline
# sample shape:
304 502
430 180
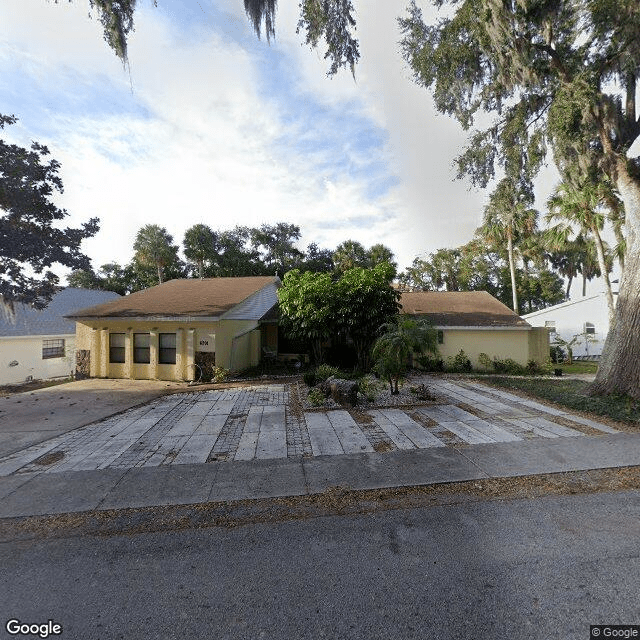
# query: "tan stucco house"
163 332
476 322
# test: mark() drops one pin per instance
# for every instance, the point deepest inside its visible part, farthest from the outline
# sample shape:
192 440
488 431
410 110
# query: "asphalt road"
542 568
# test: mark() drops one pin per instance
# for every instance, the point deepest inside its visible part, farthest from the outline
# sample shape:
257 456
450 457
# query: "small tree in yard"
392 350
306 310
315 308
364 301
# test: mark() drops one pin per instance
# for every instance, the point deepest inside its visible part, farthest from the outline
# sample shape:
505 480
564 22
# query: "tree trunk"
584 285
201 269
603 269
512 269
159 274
570 280
619 369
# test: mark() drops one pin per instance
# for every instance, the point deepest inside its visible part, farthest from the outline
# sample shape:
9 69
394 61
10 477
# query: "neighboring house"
585 318
476 322
41 344
163 332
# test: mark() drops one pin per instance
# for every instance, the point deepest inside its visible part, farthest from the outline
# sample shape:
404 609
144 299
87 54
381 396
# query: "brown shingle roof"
460 309
189 297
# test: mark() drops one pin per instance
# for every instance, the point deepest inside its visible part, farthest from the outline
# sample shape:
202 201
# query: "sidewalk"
27 494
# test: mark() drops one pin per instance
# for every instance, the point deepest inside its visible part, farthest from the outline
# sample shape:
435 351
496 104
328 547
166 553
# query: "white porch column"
104 353
180 355
191 355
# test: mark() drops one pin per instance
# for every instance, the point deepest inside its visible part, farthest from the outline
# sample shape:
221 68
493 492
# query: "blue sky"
212 125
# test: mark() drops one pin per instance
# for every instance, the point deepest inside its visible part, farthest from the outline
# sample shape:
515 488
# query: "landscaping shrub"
316 397
557 354
325 371
309 378
369 387
430 363
459 363
422 392
508 366
485 362
218 374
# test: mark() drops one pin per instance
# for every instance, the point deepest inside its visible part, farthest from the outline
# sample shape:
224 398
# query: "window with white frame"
589 328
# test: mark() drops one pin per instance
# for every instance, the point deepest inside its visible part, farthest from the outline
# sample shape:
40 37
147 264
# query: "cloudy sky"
211 125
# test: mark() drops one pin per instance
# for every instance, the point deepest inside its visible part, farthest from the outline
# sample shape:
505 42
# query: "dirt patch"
383 447
338 500
49 458
577 426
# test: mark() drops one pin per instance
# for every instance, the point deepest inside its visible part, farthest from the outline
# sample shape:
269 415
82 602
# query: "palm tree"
200 244
394 347
581 204
153 248
508 218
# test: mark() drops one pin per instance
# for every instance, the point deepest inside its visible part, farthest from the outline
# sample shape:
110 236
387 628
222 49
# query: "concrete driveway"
35 416
260 423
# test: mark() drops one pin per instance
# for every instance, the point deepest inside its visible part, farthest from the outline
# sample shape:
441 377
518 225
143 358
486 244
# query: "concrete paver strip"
531 427
591 423
324 440
249 439
196 450
395 434
350 435
553 427
415 432
272 439
467 433
254 422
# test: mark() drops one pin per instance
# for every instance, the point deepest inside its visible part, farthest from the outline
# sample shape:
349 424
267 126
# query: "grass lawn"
578 367
572 394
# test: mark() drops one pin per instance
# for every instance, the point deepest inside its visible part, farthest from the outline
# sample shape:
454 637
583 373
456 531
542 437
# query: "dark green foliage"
309 378
325 371
316 308
30 238
508 366
430 363
400 340
557 354
332 21
275 243
459 363
154 251
201 247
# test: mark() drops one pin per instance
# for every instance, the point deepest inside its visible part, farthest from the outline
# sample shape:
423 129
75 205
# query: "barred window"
52 349
116 347
141 350
167 351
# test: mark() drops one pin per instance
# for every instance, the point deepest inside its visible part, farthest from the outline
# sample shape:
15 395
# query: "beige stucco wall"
233 351
27 352
539 344
497 343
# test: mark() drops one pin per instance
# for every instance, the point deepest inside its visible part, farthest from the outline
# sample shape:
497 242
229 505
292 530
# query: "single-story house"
165 331
476 322
584 319
40 344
